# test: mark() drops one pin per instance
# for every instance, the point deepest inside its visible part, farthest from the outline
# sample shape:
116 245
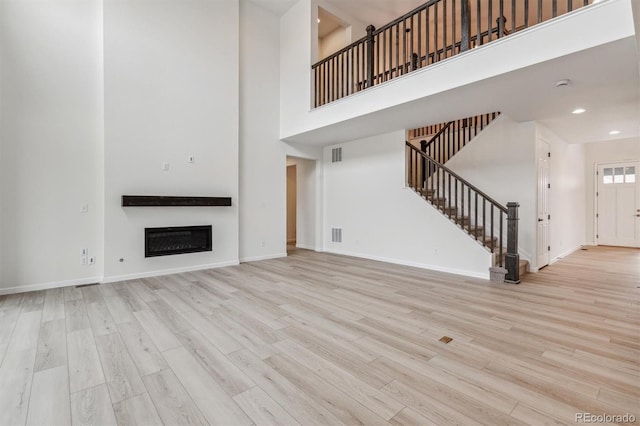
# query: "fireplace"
177 240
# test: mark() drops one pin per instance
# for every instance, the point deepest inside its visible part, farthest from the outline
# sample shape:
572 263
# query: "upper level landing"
594 47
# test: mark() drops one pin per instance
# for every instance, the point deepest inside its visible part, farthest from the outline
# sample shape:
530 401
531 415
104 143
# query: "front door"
543 204
618 204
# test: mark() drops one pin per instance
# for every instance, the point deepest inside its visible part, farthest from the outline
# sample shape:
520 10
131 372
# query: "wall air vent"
336 155
336 235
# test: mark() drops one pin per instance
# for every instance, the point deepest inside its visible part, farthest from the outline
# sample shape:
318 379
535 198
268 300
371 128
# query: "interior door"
618 204
543 161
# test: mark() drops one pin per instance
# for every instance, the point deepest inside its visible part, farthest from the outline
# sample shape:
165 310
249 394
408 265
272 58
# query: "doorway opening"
302 190
291 205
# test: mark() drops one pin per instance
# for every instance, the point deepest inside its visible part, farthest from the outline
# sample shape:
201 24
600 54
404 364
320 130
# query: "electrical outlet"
262 243
83 260
165 166
84 252
92 260
84 208
191 159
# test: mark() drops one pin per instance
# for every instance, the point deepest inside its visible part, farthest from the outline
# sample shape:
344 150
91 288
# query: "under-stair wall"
501 161
379 218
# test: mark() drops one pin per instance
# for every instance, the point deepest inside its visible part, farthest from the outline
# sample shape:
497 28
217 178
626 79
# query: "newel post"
466 25
512 261
370 58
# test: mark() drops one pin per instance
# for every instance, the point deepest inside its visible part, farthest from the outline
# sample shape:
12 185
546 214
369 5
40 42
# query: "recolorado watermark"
605 418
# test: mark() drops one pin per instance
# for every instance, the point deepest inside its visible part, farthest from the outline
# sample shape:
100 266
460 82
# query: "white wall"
308 213
332 42
262 158
383 220
51 145
602 152
500 161
567 194
295 59
171 90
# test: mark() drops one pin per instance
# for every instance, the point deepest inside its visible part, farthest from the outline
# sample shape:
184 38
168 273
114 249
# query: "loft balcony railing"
437 30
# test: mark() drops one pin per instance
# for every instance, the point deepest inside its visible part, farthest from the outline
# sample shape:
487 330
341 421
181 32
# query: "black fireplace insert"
177 240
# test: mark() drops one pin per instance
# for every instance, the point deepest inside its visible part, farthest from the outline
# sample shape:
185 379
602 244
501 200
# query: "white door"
543 204
618 204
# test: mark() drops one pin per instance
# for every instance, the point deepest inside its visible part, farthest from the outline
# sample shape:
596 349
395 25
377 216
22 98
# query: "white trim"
146 274
484 276
565 254
265 257
306 247
46 286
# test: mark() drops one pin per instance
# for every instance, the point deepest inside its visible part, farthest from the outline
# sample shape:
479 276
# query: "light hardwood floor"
323 339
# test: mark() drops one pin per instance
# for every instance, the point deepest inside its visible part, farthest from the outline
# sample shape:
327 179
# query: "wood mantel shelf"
174 201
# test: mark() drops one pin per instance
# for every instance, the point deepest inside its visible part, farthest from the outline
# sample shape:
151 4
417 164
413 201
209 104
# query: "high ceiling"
605 81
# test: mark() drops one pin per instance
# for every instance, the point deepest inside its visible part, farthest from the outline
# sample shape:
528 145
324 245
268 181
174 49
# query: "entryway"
618 204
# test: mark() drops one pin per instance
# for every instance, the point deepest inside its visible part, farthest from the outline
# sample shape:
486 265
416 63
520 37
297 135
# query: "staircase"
491 224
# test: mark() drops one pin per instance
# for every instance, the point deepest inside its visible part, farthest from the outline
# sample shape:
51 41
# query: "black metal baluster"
469 206
484 221
456 199
526 13
419 36
501 241
427 31
453 26
492 233
478 24
449 193
501 18
342 84
475 221
436 55
554 8
444 28
489 21
411 51
539 11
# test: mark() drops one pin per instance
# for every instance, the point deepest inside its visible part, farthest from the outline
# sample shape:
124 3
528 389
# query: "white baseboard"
265 257
482 275
53 284
158 273
565 254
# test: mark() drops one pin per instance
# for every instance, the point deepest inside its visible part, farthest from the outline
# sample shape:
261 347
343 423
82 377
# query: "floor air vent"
336 235
336 155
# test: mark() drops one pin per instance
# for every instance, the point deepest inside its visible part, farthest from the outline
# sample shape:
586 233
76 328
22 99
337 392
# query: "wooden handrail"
460 178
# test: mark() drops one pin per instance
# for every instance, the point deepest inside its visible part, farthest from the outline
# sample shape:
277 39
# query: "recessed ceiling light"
578 111
563 83
614 132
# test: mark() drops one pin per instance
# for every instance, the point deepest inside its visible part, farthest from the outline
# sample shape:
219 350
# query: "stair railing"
481 216
434 31
454 136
